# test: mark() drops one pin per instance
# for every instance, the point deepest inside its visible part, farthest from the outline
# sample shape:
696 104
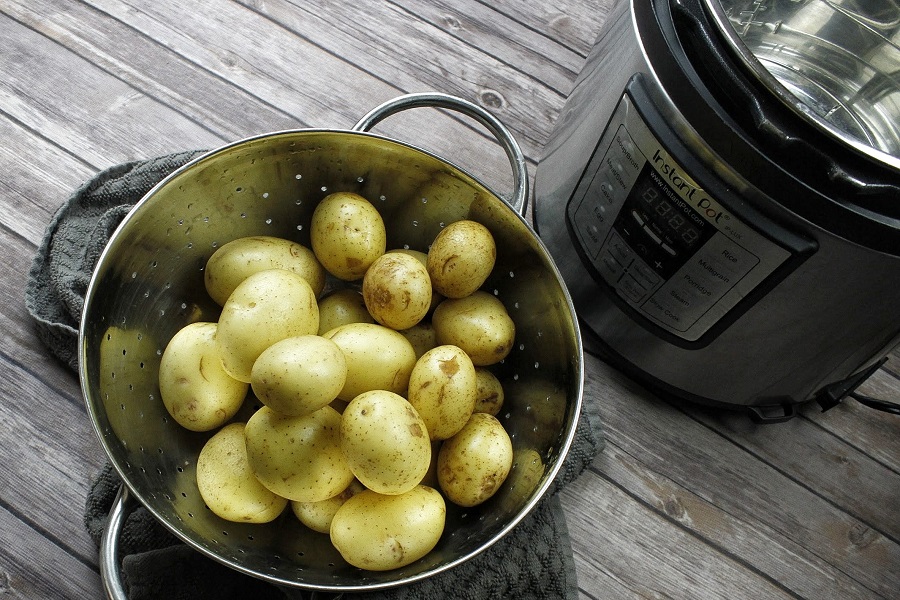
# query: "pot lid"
836 63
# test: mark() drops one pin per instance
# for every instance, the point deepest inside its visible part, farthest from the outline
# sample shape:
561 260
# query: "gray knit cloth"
534 561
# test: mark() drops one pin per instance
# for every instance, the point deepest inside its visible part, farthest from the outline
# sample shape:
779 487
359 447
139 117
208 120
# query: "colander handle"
109 547
439 100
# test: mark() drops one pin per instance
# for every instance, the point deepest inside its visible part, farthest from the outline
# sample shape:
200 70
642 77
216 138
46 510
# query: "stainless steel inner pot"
835 62
149 283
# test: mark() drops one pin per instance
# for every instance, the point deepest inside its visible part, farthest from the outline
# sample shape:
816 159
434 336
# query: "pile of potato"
378 404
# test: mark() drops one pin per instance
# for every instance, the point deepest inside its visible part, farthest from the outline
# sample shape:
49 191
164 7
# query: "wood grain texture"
684 502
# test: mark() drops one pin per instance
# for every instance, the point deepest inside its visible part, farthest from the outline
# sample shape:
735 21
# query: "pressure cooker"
722 195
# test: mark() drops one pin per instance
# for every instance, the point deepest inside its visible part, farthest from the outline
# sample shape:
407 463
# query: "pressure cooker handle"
439 100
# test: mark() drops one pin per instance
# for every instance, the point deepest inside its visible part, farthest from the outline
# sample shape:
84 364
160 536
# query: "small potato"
473 464
227 483
377 532
397 290
442 389
298 458
489 392
461 258
421 336
347 234
238 259
378 358
299 375
385 442
264 308
341 307
194 387
526 473
479 324
319 515
436 296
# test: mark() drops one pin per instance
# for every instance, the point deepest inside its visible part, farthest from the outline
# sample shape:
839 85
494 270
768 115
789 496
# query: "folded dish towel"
533 561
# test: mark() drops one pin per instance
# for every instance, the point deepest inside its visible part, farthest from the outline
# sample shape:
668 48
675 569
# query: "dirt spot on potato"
449 367
381 296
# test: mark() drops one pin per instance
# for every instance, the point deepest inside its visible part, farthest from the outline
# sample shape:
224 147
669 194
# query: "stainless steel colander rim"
143 498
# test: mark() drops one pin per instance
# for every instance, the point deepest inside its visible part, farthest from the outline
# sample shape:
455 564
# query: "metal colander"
149 283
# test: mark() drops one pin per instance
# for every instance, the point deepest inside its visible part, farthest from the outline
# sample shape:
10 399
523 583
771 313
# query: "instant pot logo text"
686 190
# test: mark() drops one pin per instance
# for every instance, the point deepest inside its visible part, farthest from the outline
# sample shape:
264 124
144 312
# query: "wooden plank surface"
684 502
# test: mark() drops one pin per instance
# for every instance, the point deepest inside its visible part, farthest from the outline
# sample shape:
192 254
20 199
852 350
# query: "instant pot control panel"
669 249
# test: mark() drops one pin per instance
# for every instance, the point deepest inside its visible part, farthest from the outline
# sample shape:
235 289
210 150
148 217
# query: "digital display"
671 219
659 224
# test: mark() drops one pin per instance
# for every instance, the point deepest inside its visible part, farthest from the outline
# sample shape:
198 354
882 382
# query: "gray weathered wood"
685 502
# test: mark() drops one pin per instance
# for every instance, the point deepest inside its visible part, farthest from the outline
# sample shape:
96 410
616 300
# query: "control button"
619 249
606 192
631 290
718 266
644 274
591 231
629 157
610 268
627 143
622 180
701 282
665 313
730 257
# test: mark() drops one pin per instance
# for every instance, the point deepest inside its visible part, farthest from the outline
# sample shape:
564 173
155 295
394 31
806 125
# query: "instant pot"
722 196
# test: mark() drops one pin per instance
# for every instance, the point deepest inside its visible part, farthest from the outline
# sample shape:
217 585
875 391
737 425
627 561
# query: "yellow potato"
298 458
299 375
378 358
385 442
194 387
526 473
436 296
479 324
442 389
489 394
461 258
341 307
240 258
267 307
227 483
397 290
347 234
319 515
377 532
421 336
473 464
